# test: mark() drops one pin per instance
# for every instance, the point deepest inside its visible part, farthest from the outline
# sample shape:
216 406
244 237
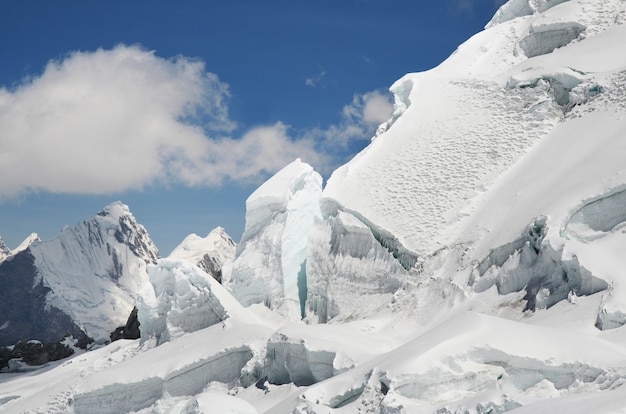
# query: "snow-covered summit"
209 253
4 250
84 281
32 238
101 261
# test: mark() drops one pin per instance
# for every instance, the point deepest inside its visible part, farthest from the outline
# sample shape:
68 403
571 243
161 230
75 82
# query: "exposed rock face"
130 330
212 266
23 305
32 353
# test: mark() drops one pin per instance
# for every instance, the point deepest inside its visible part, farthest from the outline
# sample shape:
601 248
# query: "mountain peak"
32 238
208 253
86 278
116 218
116 210
4 250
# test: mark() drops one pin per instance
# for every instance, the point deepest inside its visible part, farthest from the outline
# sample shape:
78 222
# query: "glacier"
469 260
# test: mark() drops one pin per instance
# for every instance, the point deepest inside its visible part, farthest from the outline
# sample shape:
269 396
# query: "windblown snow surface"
469 260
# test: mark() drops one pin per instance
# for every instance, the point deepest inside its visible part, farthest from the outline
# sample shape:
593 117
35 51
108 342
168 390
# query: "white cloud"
262 150
109 121
115 120
316 80
359 119
376 107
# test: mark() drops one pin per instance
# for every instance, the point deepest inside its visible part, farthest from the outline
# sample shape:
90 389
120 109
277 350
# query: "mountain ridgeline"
81 286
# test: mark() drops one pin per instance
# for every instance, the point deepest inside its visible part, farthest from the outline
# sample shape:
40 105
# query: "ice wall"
519 8
530 264
180 299
349 272
543 39
272 250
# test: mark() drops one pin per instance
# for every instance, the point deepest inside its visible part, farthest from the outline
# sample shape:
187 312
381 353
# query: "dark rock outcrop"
34 353
23 309
128 331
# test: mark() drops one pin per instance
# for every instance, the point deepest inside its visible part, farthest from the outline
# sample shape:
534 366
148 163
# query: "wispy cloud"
317 79
469 6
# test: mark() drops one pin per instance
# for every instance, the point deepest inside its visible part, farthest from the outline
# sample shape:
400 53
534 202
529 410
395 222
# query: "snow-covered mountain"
5 252
32 238
469 260
83 282
208 253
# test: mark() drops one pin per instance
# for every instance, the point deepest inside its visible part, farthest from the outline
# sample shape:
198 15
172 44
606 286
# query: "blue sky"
181 109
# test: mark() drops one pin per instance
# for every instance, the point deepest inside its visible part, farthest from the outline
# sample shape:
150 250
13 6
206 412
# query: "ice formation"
272 250
181 298
348 270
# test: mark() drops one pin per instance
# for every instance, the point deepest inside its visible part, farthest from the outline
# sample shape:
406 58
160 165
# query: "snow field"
440 162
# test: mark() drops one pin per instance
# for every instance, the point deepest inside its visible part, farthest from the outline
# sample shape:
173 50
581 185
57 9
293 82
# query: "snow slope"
486 106
469 260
